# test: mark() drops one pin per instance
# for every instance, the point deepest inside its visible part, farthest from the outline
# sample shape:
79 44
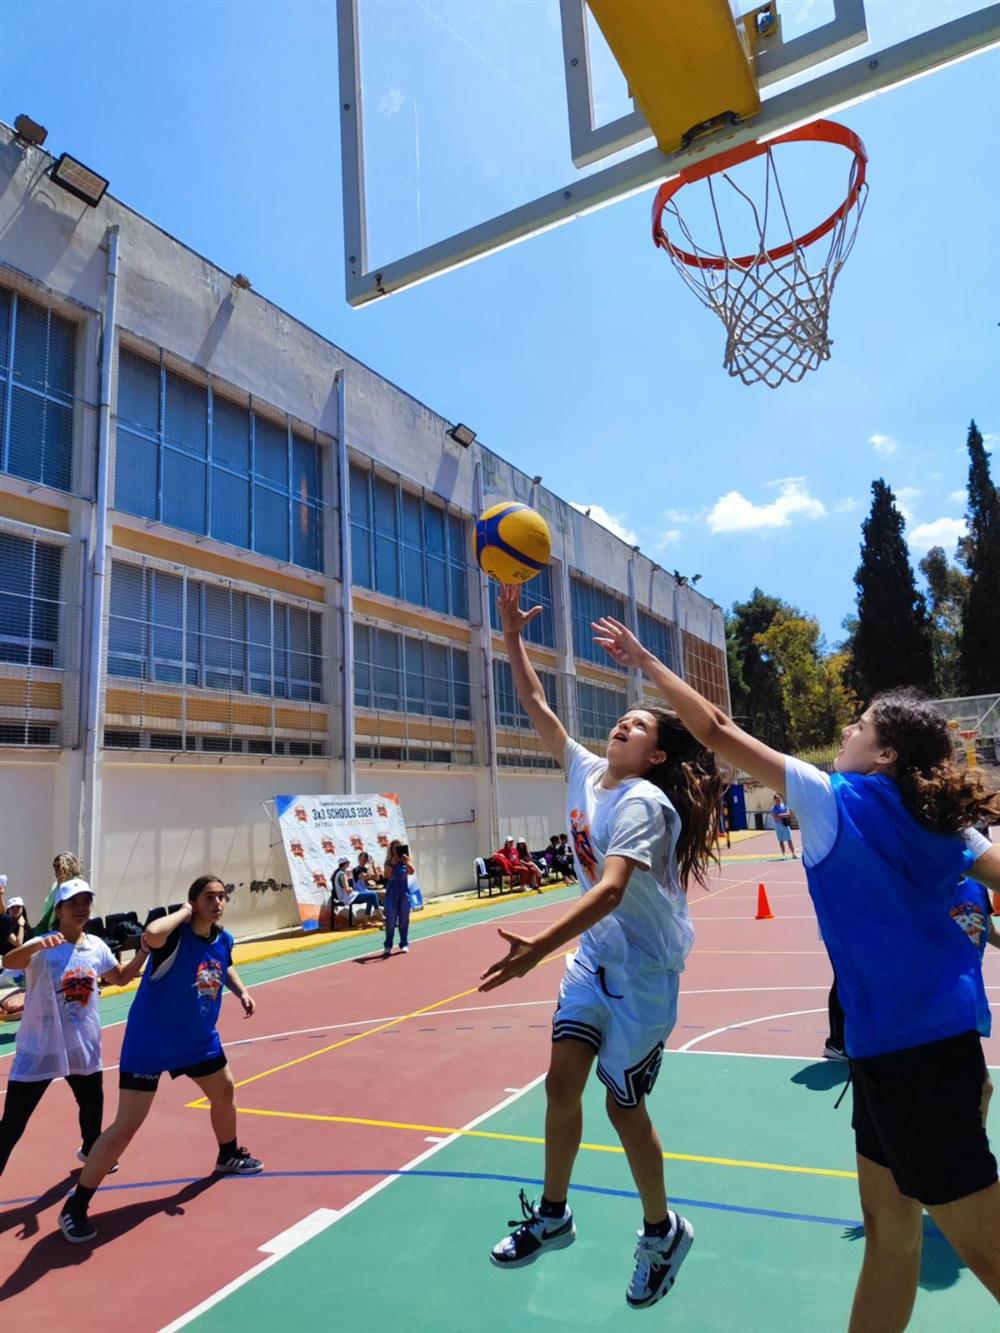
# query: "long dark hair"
202 882
938 794
691 779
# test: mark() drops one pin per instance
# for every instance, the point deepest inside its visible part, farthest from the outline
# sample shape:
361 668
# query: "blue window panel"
590 603
386 565
167 623
61 364
186 413
306 536
31 346
259 654
436 558
270 522
128 628
362 667
183 501
270 452
416 676
414 580
230 436
362 574
136 461
385 522
230 508
538 592
460 684
139 392
41 439
438 692
657 636
6 306
307 480
386 675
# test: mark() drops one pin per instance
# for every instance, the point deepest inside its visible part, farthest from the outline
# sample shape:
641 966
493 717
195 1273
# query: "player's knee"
625 1119
561 1089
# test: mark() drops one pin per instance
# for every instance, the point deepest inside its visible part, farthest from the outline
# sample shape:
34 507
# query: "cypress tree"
979 650
891 645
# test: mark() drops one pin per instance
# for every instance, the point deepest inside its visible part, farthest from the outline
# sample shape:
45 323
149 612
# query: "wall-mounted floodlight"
29 131
78 180
462 435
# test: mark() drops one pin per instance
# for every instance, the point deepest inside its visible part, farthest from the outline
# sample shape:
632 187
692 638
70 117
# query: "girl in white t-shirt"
60 1033
643 822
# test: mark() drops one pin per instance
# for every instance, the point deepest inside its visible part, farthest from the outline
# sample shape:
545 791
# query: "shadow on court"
822 1076
26 1215
53 1252
940 1266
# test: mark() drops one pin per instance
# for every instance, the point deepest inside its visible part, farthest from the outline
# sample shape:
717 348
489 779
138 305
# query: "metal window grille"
705 669
39 637
406 547
598 709
518 745
541 630
215 664
590 603
659 637
37 395
188 456
416 694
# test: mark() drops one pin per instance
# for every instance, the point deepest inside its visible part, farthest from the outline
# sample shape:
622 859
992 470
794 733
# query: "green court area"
772 1198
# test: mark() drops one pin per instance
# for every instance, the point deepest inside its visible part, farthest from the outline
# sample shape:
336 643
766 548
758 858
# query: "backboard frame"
825 95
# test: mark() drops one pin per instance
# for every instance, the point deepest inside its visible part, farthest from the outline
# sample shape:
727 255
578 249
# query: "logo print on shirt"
971 919
582 845
78 985
208 980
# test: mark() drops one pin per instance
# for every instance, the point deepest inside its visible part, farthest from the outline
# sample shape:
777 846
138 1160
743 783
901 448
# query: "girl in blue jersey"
172 1029
886 839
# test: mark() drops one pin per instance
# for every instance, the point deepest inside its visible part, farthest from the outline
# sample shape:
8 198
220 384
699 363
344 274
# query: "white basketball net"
776 312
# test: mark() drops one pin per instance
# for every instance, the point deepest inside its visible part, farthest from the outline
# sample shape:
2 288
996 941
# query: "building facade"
236 562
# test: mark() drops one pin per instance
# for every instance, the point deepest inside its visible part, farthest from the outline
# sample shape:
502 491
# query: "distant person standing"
782 817
398 869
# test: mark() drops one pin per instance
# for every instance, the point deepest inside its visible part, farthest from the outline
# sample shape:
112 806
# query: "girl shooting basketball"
643 823
885 840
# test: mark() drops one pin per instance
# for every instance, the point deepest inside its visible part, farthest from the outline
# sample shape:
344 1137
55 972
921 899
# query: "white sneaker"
831 1052
404 948
533 1235
657 1259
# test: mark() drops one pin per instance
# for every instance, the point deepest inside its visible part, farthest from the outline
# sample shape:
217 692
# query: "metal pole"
346 590
94 747
489 701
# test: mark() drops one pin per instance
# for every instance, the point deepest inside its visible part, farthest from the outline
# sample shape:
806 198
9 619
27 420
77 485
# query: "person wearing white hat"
60 1033
14 927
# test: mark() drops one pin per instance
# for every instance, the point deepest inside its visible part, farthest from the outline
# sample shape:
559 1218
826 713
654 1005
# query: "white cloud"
613 522
846 506
677 516
733 512
670 538
942 532
391 103
906 498
957 497
882 444
990 442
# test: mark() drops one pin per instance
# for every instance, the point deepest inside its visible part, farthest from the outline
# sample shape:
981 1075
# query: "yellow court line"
201 1102
530 1138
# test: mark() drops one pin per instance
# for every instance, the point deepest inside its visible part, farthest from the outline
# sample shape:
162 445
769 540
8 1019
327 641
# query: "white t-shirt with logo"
60 1032
651 927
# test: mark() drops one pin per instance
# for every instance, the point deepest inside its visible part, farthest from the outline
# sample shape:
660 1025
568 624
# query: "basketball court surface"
399 1112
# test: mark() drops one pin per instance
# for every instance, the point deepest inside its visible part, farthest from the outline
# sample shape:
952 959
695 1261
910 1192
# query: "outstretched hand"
521 957
619 642
512 618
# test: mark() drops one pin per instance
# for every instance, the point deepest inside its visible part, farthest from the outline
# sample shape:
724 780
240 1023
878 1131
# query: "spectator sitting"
567 852
15 928
525 862
514 867
347 894
559 858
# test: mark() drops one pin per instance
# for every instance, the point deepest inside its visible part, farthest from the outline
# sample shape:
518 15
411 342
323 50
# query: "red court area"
366 1065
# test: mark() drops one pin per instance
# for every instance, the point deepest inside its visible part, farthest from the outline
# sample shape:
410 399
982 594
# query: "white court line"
792 1013
251 1273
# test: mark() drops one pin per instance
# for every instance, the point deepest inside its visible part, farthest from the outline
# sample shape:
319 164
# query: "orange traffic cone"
764 912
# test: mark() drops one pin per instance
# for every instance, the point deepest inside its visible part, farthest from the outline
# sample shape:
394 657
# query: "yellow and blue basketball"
512 542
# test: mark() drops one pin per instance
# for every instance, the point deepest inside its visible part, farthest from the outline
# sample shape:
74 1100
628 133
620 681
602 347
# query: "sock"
79 1201
227 1149
549 1209
663 1228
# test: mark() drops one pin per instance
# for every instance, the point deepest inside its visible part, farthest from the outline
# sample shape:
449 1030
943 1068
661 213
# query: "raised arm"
715 729
156 934
550 730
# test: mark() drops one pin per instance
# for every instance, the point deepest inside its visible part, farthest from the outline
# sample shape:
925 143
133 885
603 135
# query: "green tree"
892 642
947 587
979 646
756 686
817 701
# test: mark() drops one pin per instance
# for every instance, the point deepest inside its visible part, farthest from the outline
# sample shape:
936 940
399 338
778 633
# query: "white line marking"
705 1036
251 1273
433 1138
297 1235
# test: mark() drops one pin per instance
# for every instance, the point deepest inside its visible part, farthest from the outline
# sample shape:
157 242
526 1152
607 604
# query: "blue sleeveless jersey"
905 974
172 1022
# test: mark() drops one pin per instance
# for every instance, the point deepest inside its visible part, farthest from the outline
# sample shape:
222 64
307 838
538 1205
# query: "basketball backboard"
468 125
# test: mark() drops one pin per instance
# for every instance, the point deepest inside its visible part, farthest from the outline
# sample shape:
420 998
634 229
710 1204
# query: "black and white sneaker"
239 1163
81 1156
76 1227
657 1259
533 1234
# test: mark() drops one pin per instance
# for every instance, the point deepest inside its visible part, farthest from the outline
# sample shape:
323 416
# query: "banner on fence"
318 830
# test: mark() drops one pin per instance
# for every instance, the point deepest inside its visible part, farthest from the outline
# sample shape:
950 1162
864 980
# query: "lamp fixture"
29 131
462 435
71 174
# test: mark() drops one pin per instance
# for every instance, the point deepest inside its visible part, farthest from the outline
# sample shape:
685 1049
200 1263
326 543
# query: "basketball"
512 542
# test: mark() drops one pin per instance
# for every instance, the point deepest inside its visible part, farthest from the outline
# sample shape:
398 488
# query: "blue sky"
577 354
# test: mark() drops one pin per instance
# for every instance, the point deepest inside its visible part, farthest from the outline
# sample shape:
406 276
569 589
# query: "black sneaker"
76 1227
657 1259
532 1235
239 1163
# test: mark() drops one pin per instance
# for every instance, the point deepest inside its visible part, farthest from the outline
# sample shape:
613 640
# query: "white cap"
16 902
70 888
